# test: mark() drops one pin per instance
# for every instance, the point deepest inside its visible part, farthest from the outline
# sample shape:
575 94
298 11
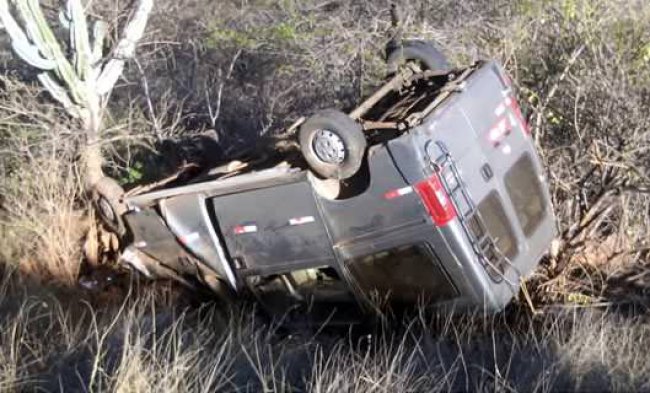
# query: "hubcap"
328 147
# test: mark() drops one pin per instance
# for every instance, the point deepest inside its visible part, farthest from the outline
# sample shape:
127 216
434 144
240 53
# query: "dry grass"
42 217
46 221
245 69
146 346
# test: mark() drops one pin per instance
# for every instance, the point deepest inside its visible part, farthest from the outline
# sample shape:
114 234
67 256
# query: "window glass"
315 284
406 274
497 225
493 233
317 291
526 194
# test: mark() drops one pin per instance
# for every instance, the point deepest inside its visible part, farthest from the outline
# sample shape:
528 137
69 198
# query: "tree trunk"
106 194
91 164
92 159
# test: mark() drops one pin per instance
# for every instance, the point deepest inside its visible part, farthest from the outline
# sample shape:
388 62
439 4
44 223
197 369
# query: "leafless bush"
586 84
581 68
41 220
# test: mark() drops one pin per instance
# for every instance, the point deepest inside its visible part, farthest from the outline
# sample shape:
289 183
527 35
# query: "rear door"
507 185
485 139
481 138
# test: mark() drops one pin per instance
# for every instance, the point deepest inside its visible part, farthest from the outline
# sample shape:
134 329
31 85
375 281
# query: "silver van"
429 193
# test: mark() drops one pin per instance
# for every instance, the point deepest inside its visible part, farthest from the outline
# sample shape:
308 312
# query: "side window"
406 274
318 294
494 224
497 224
320 284
526 194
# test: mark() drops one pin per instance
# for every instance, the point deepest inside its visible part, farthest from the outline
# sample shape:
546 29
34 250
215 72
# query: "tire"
422 52
107 197
332 144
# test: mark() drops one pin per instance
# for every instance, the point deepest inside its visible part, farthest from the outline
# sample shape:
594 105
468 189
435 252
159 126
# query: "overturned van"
429 193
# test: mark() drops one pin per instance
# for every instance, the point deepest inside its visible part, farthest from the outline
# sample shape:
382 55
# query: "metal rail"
395 83
484 244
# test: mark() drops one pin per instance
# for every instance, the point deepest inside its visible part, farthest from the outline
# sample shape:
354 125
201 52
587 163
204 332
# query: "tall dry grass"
146 346
42 210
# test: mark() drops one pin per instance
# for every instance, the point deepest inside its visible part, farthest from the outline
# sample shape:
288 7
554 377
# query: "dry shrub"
44 226
582 72
243 69
582 68
606 352
41 220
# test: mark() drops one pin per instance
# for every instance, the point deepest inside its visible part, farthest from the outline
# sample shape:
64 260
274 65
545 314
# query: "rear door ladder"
483 245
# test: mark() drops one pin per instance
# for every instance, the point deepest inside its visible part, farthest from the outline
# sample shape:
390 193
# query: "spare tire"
332 144
107 197
422 52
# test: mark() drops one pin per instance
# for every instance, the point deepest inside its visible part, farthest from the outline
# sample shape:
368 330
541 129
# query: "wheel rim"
328 147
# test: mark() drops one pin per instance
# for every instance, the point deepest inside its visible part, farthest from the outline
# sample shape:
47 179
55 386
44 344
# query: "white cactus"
81 83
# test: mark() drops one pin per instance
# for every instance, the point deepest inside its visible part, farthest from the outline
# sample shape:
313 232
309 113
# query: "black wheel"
422 52
333 144
107 196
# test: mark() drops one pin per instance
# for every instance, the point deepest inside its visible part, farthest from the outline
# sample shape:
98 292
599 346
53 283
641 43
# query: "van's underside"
400 104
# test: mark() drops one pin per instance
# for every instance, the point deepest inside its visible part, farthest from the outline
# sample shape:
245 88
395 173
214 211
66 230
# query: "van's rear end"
480 178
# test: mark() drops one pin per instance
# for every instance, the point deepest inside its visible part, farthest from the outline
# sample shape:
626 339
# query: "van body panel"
465 131
373 211
188 218
273 228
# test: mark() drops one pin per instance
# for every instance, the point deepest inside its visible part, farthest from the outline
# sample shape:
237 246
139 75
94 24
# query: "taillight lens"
514 105
511 101
436 200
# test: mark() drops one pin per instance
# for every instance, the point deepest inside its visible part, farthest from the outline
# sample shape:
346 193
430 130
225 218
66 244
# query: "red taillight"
511 101
514 106
436 200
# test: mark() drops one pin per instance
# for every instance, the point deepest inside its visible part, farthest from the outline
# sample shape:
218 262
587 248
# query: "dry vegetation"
149 345
211 77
